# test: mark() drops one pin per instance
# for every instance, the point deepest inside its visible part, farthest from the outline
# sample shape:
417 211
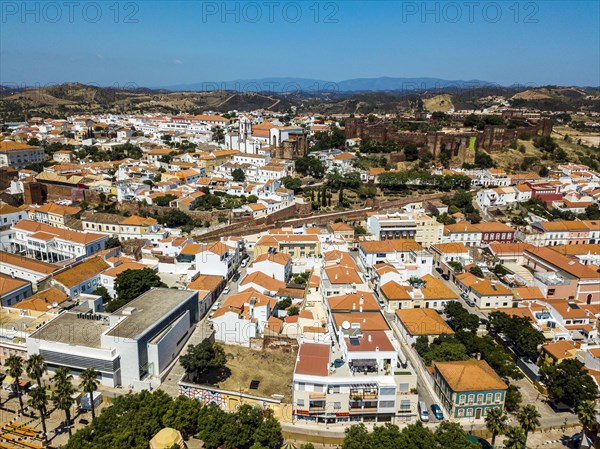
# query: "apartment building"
132 347
468 389
124 228
52 244
363 380
19 155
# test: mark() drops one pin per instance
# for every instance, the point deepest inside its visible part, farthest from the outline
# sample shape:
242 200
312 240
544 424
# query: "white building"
131 347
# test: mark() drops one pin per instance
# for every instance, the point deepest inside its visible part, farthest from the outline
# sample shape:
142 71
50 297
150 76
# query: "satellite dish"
54 304
345 325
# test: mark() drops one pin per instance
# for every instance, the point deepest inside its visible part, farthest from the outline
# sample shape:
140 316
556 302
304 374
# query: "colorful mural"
228 401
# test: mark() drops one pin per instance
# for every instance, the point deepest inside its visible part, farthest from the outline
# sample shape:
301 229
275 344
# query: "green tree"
513 399
238 175
36 367
62 396
89 384
201 358
268 433
422 345
183 414
132 283
411 152
113 242
103 292
210 425
293 311
38 399
495 422
356 437
569 382
386 436
450 435
515 438
586 412
460 318
476 271
529 418
14 365
164 200
292 183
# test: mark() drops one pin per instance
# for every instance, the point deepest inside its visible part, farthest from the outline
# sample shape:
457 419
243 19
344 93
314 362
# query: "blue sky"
160 44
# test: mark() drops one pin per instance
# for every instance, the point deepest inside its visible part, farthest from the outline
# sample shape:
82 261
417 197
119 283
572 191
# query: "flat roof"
150 307
67 328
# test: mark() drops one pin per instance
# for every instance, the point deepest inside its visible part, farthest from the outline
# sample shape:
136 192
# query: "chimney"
377 348
369 338
360 310
362 300
353 306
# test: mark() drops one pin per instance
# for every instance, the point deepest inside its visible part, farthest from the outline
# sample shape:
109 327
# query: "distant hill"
75 98
282 85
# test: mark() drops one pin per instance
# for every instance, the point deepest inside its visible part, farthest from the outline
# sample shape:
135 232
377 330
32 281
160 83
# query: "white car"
244 263
226 290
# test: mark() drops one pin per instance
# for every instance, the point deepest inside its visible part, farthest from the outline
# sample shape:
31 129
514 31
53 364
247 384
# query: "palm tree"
529 418
89 384
515 438
39 401
586 412
495 422
15 369
63 393
36 367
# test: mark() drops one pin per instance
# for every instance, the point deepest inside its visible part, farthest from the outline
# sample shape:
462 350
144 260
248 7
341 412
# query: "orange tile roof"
368 321
371 341
313 359
394 291
436 289
562 262
43 300
9 284
115 271
354 301
10 145
423 322
278 258
342 275
208 282
561 349
529 293
470 375
261 279
493 226
484 287
64 234
81 272
27 263
58 209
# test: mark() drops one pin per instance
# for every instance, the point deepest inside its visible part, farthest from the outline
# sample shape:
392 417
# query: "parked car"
439 270
470 303
423 412
437 412
446 277
235 277
244 263
226 290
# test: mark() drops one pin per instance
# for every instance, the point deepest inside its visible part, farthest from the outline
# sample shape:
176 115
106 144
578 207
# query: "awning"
364 362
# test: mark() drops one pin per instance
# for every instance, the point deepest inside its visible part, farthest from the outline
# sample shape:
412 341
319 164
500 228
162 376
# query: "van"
423 412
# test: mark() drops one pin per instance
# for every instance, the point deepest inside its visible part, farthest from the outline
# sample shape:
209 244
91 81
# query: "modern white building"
131 347
18 155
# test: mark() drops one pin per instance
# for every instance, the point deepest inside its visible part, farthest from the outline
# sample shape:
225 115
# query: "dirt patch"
273 369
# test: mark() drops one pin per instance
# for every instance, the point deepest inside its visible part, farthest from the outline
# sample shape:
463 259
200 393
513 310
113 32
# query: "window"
551 291
461 413
461 399
336 388
386 404
471 398
488 397
300 402
392 391
498 397
337 405
479 398
469 412
301 386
